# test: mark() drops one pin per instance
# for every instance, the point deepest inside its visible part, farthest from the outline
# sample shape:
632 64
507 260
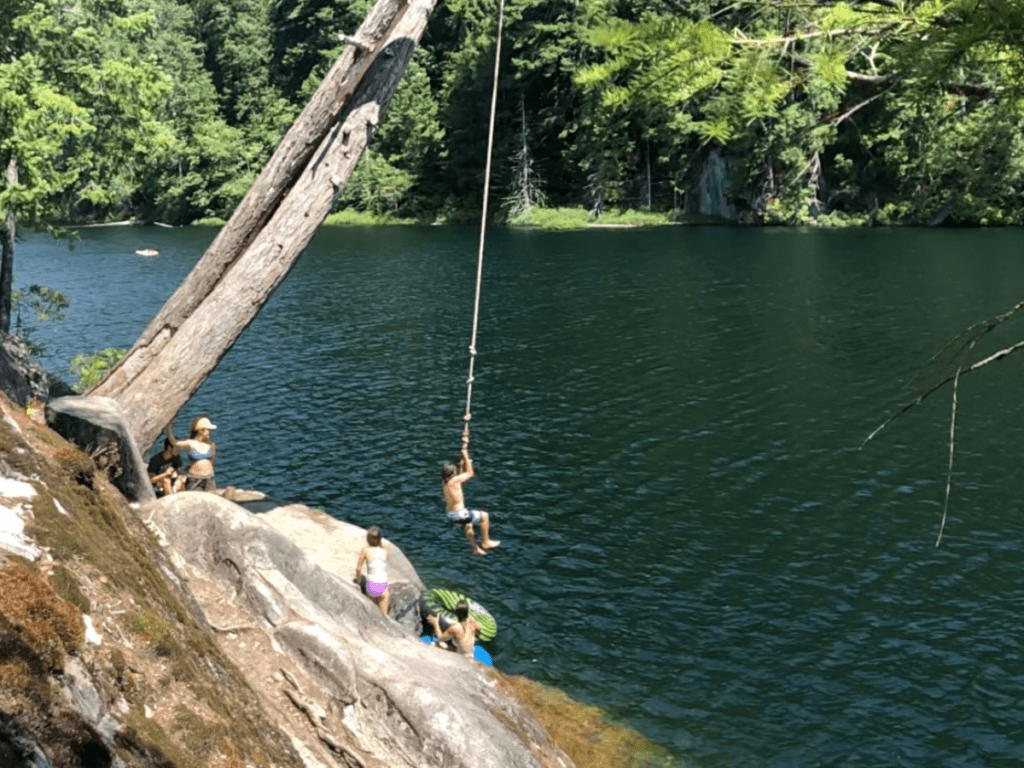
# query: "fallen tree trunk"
271 227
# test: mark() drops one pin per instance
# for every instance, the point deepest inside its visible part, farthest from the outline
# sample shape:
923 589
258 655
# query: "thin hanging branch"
995 357
951 355
837 119
949 473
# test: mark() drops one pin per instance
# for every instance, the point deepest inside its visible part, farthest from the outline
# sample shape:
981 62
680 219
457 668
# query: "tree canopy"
884 111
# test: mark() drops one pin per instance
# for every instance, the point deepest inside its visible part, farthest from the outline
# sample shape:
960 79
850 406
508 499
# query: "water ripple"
667 443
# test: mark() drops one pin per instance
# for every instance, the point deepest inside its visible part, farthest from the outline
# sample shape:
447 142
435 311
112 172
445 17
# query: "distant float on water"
148 252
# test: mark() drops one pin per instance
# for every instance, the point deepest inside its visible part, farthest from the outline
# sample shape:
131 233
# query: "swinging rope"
483 227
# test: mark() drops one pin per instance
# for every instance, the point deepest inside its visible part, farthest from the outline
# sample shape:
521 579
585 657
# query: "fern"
830 66
615 36
717 130
615 96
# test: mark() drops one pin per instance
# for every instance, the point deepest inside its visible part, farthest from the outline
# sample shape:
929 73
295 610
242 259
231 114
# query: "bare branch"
949 473
720 11
839 118
995 357
950 356
856 77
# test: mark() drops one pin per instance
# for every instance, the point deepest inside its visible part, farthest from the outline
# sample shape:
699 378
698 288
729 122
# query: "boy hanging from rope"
452 479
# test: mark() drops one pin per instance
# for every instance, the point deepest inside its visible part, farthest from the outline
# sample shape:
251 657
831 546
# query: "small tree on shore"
527 187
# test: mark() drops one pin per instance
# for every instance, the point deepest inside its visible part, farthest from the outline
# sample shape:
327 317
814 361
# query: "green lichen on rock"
66 587
95 539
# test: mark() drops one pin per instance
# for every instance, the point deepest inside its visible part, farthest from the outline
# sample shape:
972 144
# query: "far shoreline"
547 219
556 220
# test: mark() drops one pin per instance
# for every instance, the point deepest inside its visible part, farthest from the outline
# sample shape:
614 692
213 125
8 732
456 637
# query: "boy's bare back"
454 498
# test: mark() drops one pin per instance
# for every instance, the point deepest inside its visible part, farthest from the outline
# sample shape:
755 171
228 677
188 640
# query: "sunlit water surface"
666 428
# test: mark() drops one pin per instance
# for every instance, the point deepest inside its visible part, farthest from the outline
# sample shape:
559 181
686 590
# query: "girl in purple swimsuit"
375 558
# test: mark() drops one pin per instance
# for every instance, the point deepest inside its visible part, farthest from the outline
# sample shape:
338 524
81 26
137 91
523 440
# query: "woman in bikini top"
201 451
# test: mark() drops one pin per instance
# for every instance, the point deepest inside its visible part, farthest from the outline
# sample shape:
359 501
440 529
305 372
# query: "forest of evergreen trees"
790 111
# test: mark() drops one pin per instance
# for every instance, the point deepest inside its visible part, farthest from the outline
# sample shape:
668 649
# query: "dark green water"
666 429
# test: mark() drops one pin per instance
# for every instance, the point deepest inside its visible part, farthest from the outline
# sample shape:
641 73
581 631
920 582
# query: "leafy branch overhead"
756 54
782 78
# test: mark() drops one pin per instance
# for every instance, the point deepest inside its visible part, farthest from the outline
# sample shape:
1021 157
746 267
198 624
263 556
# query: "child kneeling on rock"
164 470
462 633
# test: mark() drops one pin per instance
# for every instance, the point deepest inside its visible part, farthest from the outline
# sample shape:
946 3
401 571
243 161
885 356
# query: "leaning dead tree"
271 227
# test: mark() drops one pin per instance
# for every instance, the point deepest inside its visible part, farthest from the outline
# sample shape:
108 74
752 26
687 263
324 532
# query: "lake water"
666 428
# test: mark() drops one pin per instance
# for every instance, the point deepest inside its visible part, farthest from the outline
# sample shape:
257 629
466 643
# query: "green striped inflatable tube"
443 601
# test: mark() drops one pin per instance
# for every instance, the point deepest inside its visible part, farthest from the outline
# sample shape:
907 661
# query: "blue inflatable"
478 653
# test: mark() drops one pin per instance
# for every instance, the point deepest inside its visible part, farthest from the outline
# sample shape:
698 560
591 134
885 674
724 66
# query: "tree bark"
271 227
7 255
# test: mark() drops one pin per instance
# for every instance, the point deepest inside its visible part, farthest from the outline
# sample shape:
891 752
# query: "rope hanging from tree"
483 226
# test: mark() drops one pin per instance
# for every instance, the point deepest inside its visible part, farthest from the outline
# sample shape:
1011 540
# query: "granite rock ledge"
191 632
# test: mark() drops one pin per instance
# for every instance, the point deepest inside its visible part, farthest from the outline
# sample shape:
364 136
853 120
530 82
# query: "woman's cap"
204 423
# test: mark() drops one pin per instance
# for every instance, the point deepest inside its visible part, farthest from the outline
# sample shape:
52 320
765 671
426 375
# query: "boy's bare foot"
490 544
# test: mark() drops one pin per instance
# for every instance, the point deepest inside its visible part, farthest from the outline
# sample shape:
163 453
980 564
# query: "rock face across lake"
188 631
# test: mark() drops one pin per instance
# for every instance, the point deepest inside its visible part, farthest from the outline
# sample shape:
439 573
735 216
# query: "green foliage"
377 186
404 152
553 218
78 112
629 218
353 218
90 369
305 42
578 218
892 112
833 105
37 304
152 628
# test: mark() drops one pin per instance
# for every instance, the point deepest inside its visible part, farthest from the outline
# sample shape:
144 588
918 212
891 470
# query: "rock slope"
190 632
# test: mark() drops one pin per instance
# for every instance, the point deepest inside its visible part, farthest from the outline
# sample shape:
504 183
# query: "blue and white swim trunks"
464 516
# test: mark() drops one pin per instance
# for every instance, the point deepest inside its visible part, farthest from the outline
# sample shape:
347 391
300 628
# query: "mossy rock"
47 624
66 587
